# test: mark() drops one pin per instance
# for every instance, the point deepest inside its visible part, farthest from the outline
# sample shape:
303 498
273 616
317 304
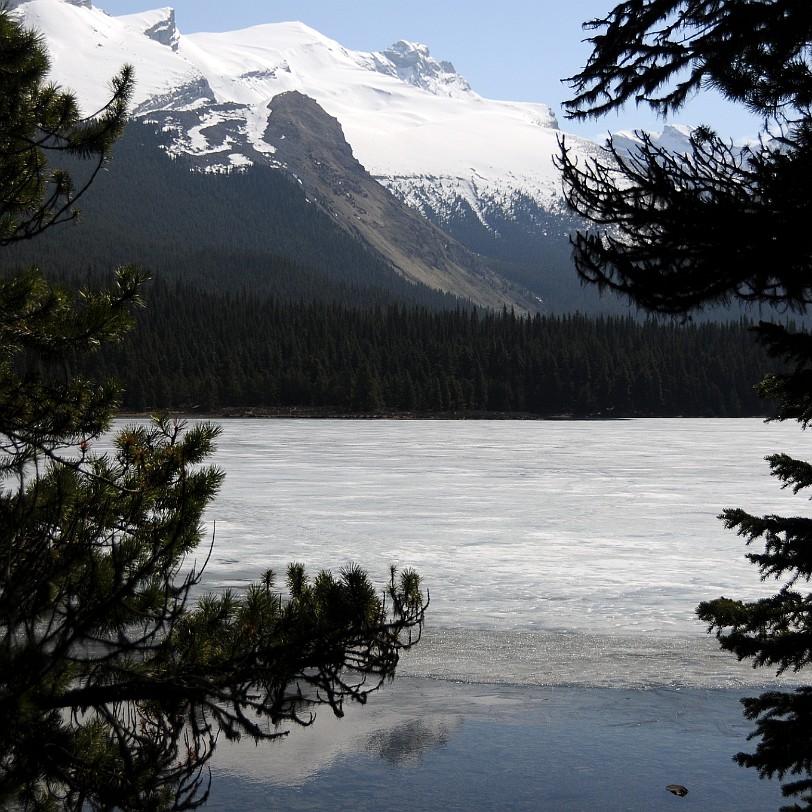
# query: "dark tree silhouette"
676 233
37 120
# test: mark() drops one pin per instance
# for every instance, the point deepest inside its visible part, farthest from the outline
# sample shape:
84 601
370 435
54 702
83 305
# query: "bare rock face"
165 30
411 62
310 144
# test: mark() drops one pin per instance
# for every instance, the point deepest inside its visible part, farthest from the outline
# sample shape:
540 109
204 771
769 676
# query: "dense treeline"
193 349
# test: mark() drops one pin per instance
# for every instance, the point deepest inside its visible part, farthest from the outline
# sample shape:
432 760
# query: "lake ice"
554 551
562 666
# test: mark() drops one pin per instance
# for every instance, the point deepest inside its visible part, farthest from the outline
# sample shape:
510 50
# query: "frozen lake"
564 562
554 552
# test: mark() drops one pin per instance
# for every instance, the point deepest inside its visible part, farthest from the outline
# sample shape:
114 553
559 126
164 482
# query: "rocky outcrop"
311 145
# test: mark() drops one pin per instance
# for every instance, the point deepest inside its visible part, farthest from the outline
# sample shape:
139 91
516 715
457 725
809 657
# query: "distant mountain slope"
480 170
477 168
252 231
313 144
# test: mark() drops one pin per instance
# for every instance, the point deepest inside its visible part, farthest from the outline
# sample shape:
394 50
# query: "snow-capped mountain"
411 121
674 138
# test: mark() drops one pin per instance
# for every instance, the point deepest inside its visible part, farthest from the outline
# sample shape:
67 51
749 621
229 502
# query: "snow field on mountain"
396 127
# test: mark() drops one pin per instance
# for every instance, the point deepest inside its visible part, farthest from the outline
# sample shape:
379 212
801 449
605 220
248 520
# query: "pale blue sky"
516 49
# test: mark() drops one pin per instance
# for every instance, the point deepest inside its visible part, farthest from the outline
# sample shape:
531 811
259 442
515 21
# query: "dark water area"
424 744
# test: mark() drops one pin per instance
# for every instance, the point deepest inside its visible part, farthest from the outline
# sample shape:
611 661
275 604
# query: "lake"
562 665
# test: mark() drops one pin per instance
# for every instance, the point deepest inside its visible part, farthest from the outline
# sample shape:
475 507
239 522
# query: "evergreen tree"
37 119
678 232
114 686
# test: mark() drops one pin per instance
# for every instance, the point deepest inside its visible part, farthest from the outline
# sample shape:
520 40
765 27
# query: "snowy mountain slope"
87 46
421 132
411 121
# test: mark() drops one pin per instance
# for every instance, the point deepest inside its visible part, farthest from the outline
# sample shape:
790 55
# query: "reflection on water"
398 735
408 743
505 748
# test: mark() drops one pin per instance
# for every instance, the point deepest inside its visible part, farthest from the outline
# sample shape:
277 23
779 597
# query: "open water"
562 667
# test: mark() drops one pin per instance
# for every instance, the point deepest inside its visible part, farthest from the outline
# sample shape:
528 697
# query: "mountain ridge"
473 167
314 143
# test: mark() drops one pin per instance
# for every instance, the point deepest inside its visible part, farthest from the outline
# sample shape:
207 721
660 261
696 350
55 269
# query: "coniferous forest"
233 325
198 351
259 302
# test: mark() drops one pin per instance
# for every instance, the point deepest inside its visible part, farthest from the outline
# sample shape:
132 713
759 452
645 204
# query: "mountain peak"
411 62
675 138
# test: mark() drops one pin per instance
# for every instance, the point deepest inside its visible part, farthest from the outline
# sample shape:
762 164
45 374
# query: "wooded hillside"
194 349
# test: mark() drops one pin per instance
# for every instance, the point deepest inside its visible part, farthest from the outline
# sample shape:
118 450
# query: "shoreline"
314 413
317 413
